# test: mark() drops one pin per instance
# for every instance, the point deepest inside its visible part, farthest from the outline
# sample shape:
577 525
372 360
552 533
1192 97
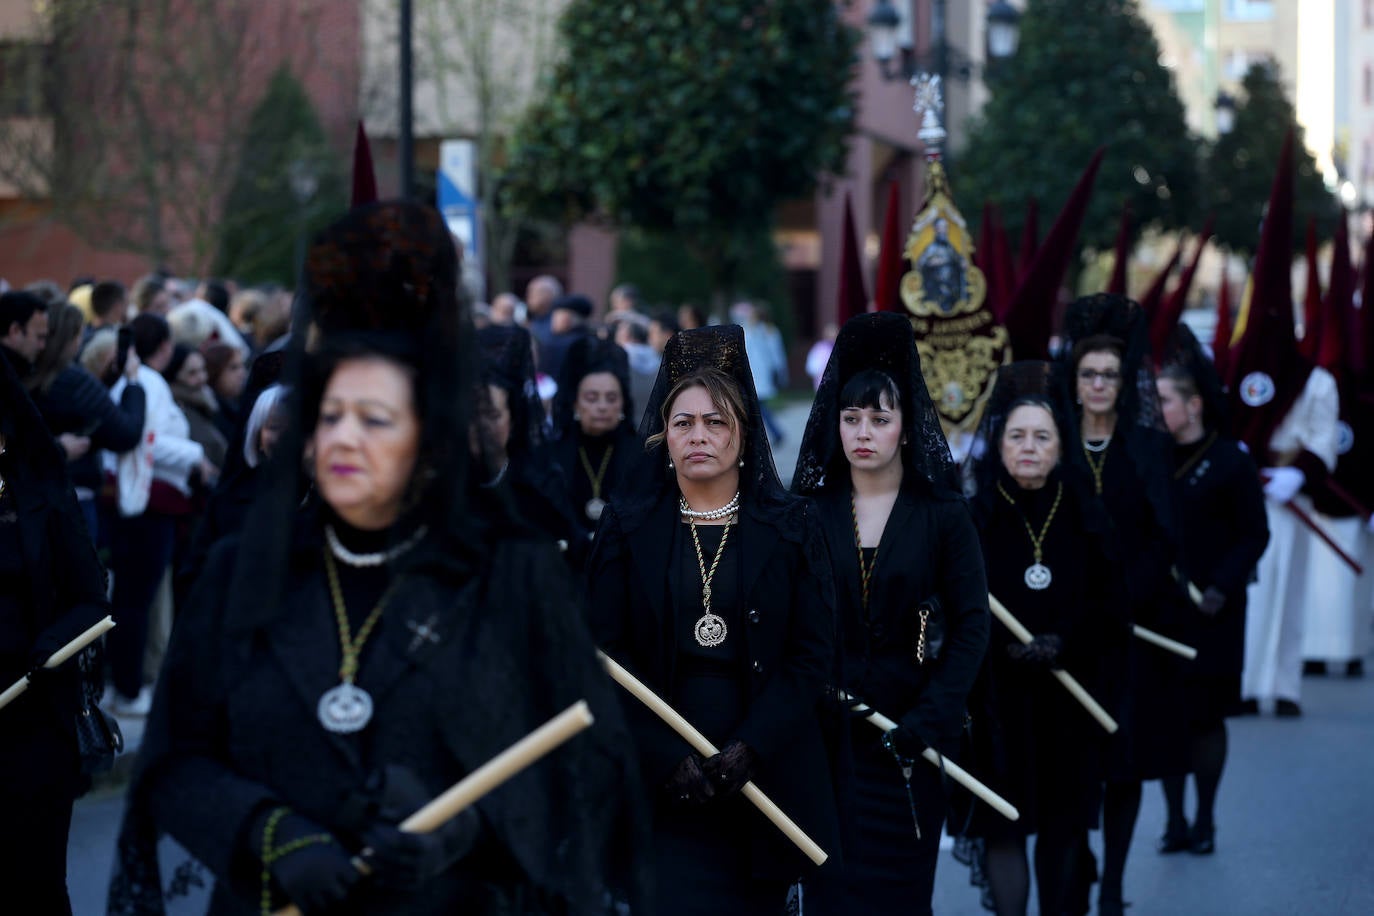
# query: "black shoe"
1114 907
1203 840
1287 709
1312 668
1175 839
1354 668
1248 708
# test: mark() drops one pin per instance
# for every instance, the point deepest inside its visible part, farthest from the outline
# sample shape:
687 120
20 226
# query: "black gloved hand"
904 741
1042 650
689 785
317 877
408 860
1212 601
731 768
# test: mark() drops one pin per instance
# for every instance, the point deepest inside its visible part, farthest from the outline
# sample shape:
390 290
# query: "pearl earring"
741 462
670 464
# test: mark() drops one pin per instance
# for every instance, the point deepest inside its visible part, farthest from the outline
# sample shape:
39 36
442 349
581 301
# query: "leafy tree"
1240 167
1087 74
264 221
688 117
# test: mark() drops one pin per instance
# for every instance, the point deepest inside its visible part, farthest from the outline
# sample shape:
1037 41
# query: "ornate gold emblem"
961 346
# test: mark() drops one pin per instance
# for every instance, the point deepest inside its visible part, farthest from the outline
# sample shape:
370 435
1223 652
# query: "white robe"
1339 605
1275 616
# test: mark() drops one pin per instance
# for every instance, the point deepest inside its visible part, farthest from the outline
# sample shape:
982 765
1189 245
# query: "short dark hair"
217 294
1098 343
150 332
866 389
667 320
105 295
18 307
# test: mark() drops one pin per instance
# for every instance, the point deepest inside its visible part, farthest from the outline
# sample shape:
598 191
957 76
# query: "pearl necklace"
1099 447
362 560
724 511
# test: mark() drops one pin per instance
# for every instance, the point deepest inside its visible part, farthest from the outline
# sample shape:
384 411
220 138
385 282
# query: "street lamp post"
946 61
304 184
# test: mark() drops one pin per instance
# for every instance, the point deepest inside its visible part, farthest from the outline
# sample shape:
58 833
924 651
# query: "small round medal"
1038 577
595 506
345 709
710 630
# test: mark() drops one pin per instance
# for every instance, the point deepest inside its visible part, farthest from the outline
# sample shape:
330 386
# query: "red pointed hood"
853 298
1336 350
1364 353
364 176
1117 284
1164 321
891 259
1268 372
1030 239
1313 319
1221 337
1003 266
1030 318
1154 296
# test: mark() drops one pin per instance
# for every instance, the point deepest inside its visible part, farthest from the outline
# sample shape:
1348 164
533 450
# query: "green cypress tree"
1241 164
1086 74
263 220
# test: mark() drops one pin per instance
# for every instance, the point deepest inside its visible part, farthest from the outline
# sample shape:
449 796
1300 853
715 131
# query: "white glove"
1282 484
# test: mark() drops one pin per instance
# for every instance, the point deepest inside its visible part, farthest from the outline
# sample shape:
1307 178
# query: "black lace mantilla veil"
508 363
882 341
1025 382
1139 418
1184 351
384 280
585 356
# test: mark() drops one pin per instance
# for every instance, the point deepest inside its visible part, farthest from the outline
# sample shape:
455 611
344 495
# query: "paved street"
1295 817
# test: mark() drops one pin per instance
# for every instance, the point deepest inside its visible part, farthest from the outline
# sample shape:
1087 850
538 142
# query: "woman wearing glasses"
1127 453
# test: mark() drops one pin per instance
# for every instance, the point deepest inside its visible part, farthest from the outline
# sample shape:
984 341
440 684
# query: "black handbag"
98 738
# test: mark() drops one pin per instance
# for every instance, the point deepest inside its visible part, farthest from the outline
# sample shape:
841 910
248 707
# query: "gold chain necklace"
1096 465
1188 465
347 708
710 629
865 569
596 505
1038 576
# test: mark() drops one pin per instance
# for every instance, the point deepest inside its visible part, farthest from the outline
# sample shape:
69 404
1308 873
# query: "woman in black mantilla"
52 588
594 442
1042 536
1220 509
512 419
1120 440
912 607
710 583
340 665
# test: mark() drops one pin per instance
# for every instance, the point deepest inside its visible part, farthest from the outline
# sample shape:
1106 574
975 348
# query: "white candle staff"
956 772
1164 642
705 748
94 632
489 775
999 610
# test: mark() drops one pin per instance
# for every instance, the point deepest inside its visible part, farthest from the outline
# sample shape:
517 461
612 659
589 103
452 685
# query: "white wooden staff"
704 747
94 632
999 610
467 791
956 772
1164 642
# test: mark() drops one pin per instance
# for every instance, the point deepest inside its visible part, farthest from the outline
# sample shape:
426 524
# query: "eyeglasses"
1111 378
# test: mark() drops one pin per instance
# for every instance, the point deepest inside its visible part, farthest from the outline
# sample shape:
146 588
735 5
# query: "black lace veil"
1183 353
882 341
507 362
586 356
1020 383
719 347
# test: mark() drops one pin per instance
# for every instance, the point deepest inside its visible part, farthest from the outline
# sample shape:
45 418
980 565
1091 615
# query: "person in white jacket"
141 547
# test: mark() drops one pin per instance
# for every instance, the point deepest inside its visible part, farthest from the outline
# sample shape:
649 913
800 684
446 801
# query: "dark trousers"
39 772
140 552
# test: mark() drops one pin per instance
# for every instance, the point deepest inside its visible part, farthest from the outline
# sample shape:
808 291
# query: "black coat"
788 652
929 550
559 461
234 728
1220 505
76 402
